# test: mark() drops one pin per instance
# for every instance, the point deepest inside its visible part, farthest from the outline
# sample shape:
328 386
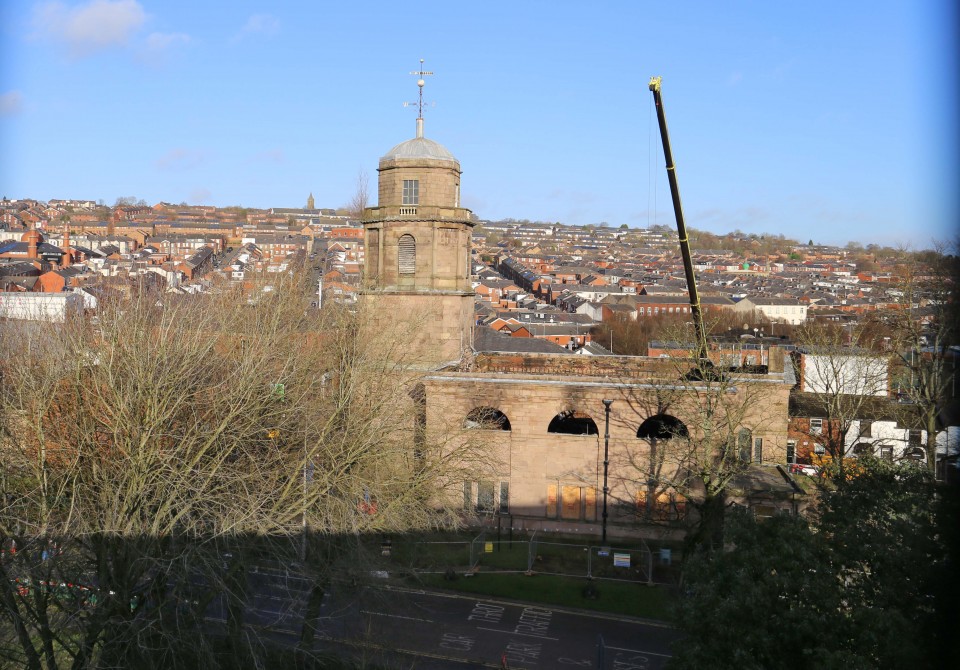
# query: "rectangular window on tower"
411 192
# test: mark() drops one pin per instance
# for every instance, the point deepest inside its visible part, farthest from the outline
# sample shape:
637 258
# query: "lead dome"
419 148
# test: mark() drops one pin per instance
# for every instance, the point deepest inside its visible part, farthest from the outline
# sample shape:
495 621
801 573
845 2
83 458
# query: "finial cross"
421 73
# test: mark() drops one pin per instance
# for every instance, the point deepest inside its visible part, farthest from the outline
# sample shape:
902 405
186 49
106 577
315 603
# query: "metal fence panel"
484 553
620 563
557 558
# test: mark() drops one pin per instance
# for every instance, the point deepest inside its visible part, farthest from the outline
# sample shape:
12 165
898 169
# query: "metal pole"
303 538
606 463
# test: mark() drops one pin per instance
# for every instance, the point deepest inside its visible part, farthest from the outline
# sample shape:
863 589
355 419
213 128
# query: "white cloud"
164 41
11 103
260 24
178 160
90 27
158 48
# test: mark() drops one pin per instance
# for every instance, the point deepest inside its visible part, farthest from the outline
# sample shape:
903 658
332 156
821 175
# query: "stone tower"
310 202
417 247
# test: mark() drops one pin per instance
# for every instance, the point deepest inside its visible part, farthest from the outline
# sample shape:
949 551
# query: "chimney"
66 249
32 246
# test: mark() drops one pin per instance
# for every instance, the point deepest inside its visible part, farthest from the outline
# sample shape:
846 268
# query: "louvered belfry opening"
407 255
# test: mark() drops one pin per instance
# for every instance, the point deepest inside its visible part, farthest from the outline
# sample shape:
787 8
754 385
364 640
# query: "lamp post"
606 463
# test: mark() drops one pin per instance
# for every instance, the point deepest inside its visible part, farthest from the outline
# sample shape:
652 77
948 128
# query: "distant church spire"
421 73
310 203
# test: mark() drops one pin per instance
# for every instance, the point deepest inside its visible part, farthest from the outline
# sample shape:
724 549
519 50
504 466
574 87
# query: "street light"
606 463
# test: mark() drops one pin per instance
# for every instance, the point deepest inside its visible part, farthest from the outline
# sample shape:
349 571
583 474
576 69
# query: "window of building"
407 255
866 429
487 418
743 444
573 423
791 451
886 452
662 506
816 426
914 438
480 497
758 450
485 497
411 192
818 449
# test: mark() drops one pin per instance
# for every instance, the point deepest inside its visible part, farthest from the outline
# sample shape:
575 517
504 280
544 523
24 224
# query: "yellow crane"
695 309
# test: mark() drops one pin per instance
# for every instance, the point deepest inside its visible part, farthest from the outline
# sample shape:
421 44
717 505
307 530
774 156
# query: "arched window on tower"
407 255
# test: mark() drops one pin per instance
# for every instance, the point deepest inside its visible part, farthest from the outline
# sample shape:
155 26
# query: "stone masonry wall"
438 186
538 464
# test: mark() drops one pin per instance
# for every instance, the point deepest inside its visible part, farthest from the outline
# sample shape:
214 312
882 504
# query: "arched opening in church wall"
661 432
662 427
487 418
572 422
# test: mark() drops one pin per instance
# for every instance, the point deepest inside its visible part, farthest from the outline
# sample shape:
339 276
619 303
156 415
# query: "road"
394 626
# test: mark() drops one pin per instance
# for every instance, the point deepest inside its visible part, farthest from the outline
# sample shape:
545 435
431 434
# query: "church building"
561 428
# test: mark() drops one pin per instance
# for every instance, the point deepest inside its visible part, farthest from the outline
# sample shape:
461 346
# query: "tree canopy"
863 585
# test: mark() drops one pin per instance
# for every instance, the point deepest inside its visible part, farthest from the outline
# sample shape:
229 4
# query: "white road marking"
636 651
396 616
510 632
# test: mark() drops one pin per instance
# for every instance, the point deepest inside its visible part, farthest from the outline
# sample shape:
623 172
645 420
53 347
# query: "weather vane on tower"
421 73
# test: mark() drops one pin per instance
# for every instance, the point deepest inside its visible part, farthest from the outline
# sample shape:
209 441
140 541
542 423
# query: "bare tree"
925 327
704 427
361 196
841 381
150 457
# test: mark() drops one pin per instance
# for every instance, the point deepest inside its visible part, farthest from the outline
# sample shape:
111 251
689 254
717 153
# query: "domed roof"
419 148
32 234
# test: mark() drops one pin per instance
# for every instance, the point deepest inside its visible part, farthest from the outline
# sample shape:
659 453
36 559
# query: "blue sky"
823 120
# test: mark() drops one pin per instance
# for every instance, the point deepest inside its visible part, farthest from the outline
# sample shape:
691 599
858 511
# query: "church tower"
417 245
310 202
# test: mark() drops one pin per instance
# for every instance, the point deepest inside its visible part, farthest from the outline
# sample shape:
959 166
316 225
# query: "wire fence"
484 553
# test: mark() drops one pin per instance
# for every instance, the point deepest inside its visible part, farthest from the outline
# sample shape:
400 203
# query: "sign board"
488 547
621 560
603 551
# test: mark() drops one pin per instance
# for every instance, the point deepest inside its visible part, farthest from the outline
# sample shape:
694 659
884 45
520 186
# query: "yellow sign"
488 547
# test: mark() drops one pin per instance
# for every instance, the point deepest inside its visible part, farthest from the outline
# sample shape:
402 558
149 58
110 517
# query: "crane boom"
681 228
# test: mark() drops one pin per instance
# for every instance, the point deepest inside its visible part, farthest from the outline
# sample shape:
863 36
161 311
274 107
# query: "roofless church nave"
543 413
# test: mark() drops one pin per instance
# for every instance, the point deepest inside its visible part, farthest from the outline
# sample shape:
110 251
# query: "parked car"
804 469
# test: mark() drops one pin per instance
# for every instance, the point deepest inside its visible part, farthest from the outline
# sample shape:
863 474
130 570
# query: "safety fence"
484 553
